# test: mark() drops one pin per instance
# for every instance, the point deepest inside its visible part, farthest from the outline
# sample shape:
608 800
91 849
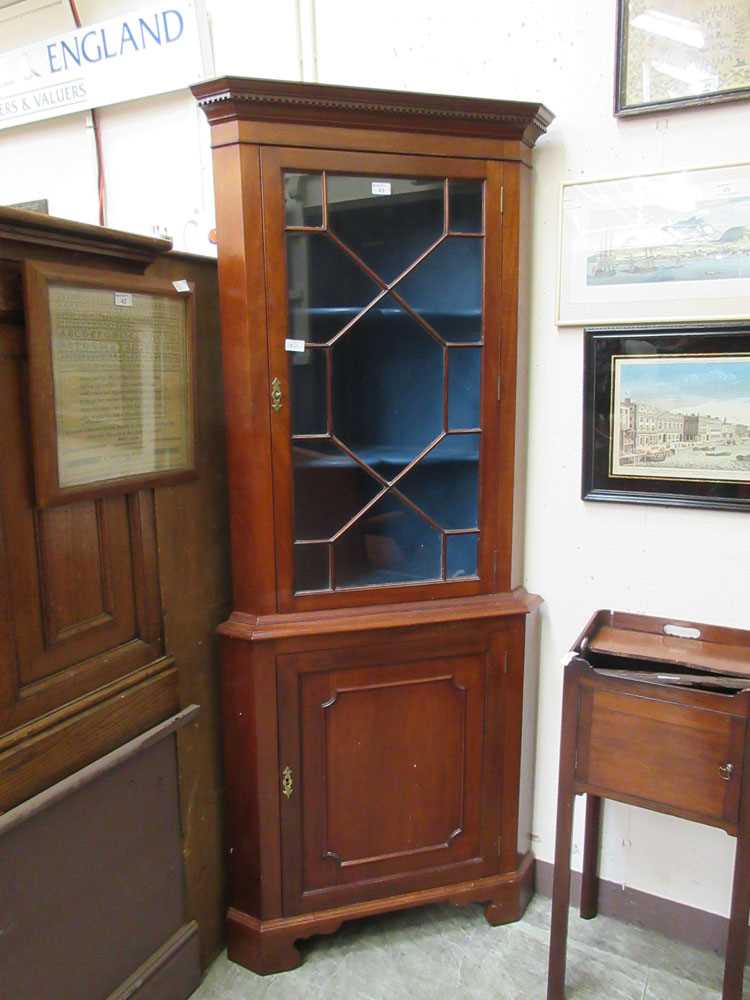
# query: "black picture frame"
603 477
623 109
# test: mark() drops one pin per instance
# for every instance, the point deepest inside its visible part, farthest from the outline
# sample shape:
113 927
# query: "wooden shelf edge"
255 628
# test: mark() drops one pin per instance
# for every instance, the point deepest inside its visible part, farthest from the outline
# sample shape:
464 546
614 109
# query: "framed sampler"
666 416
681 53
112 381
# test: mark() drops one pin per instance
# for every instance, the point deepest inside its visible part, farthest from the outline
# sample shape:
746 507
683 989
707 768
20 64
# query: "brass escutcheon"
276 397
287 782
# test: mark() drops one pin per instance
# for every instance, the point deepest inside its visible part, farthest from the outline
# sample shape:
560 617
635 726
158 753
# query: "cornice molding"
30 234
234 98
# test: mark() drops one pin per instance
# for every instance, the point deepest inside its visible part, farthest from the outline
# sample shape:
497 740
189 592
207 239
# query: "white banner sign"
140 54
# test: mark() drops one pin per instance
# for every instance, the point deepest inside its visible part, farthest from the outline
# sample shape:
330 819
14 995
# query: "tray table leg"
737 936
591 840
563 839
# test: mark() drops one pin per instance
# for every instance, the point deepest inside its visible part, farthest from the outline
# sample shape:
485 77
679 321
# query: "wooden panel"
71 552
101 866
193 532
85 586
624 739
47 754
370 732
373 140
389 747
79 588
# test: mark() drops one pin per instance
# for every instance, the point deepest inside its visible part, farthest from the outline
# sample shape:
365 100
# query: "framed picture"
678 53
666 415
112 381
667 247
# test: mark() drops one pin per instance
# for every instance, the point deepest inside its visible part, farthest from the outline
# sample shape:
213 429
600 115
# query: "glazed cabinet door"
384 344
391 769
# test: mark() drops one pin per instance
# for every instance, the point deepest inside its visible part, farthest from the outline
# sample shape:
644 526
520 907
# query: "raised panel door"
395 770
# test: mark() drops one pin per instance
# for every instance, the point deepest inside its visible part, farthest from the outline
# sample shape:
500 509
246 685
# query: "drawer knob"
726 771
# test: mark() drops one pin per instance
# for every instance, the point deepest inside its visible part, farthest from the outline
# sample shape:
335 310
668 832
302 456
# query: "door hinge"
494 564
505 664
499 846
502 200
499 383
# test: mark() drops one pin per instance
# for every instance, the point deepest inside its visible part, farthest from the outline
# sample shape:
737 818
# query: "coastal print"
673 227
677 49
681 417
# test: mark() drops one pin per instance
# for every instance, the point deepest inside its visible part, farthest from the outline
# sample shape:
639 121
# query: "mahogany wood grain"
72 686
335 107
242 277
720 658
32 764
737 936
591 841
192 529
623 751
357 690
389 616
267 134
269 946
371 716
682 752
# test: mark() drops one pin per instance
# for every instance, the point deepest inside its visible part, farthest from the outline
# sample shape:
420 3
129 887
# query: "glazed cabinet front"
385 349
391 766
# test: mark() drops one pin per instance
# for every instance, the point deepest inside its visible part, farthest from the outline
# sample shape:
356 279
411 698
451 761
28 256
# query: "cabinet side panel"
525 181
528 732
251 772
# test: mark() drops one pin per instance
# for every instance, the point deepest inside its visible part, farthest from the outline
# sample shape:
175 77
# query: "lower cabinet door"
391 770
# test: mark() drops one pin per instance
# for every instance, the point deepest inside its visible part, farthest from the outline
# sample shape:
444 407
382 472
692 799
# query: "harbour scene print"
708 240
681 417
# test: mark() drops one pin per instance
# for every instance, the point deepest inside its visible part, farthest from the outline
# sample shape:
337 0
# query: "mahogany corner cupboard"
371 273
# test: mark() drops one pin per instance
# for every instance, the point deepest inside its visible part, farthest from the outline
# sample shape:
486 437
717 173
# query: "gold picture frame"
680 53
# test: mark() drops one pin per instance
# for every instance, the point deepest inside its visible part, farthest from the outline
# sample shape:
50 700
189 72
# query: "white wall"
689 564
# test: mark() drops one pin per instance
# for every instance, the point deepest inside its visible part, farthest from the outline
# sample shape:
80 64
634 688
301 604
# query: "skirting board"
676 921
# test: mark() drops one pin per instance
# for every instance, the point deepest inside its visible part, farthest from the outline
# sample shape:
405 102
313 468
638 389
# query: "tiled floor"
442 953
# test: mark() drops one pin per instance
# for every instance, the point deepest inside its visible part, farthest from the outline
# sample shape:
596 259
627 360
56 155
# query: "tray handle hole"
682 632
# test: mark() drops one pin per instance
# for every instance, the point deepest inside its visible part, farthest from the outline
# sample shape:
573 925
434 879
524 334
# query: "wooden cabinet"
371 258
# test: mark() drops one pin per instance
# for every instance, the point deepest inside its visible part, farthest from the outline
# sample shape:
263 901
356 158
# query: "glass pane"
461 555
303 199
387 388
311 567
465 206
445 483
446 288
464 387
390 544
307 376
387 221
329 489
326 288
